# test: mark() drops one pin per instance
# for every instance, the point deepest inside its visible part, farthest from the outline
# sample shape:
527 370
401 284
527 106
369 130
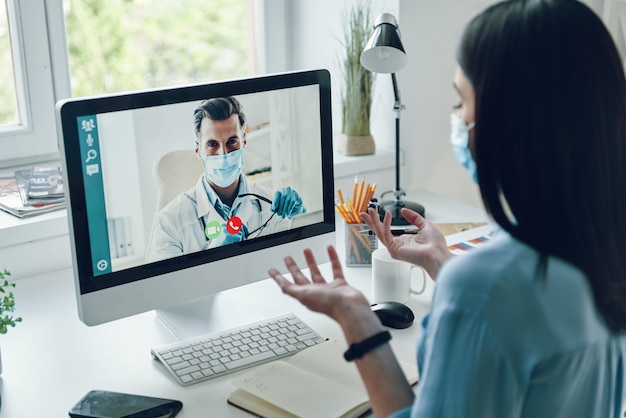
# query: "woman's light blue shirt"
502 342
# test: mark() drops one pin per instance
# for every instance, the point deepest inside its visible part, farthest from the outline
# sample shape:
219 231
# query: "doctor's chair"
174 173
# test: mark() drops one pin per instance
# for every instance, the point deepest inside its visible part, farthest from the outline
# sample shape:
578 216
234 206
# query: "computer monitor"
128 158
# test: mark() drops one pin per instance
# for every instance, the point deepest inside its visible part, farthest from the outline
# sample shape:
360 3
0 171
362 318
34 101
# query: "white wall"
430 31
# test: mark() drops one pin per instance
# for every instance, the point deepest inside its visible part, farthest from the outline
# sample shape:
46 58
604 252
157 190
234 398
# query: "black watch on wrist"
358 350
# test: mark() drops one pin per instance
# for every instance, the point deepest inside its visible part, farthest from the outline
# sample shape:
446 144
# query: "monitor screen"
184 192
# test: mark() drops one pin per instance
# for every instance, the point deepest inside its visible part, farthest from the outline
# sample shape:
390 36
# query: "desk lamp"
384 53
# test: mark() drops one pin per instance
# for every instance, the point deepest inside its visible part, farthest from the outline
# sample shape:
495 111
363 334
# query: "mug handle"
420 291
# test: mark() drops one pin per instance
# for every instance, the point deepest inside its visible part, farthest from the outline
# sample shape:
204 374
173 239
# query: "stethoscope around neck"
260 228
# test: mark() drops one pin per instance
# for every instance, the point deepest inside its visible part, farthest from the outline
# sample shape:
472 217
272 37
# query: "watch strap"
358 350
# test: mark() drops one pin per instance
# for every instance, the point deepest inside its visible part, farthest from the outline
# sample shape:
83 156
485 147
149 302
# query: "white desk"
51 359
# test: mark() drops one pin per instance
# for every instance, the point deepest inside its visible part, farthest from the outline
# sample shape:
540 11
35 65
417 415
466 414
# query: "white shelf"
352 165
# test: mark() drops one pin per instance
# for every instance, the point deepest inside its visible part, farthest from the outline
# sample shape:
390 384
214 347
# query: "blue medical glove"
226 237
287 203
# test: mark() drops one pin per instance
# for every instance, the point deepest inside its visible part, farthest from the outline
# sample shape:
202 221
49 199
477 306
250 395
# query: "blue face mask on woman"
459 138
223 170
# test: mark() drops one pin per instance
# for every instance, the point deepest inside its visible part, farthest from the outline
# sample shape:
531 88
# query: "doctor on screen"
223 207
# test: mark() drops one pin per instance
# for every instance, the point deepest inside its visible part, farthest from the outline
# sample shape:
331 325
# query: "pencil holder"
360 244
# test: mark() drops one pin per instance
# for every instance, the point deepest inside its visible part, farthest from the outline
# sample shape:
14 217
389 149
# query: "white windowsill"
15 231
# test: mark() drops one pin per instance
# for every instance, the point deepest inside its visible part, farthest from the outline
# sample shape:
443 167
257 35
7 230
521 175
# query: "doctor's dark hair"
218 108
550 136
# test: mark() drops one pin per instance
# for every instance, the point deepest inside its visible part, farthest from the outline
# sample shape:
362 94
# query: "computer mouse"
393 314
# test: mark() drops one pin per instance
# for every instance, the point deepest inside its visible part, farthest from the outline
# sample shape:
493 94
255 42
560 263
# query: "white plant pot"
356 145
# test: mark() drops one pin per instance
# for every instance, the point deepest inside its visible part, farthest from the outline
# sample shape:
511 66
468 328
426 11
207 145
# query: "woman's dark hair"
550 136
219 108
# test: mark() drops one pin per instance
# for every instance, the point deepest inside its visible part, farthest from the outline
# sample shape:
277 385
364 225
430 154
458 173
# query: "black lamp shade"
384 52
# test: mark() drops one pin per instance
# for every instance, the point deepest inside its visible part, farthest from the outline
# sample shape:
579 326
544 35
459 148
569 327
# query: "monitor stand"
207 315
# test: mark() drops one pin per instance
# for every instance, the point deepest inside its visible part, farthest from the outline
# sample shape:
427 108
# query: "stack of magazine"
32 191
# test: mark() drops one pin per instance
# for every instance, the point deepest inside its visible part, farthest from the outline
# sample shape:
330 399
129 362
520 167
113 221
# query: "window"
60 48
33 101
121 45
8 96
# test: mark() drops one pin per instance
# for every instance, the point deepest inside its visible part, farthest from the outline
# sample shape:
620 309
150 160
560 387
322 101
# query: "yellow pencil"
340 211
369 196
340 196
359 197
357 219
344 213
348 214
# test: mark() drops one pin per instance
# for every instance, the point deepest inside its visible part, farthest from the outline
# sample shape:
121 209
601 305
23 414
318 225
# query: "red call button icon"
233 225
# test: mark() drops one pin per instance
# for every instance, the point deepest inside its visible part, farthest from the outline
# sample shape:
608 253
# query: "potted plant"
7 305
356 98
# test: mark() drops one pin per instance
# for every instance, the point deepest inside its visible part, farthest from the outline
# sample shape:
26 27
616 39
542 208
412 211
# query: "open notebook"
316 382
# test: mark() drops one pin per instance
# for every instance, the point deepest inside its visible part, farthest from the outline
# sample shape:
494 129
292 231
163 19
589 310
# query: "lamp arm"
397 107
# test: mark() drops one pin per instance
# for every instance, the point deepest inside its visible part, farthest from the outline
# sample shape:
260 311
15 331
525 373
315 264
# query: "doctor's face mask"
223 170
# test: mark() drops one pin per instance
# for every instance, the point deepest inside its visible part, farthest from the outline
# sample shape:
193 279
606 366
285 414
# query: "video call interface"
139 209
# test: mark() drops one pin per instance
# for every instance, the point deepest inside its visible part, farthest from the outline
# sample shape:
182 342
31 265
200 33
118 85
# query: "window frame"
34 137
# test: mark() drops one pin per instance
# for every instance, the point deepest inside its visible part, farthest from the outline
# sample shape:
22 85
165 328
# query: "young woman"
532 324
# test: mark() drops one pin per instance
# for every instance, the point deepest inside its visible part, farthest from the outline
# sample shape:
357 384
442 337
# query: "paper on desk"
299 391
465 241
326 359
454 228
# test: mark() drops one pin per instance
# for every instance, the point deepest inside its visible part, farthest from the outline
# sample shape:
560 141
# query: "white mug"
391 278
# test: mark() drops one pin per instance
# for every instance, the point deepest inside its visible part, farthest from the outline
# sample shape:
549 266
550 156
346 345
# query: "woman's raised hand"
427 248
332 298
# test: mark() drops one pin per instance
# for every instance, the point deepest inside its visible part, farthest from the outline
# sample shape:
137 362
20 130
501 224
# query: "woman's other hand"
427 248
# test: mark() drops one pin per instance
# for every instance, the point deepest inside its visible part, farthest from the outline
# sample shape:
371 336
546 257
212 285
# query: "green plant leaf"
357 92
7 304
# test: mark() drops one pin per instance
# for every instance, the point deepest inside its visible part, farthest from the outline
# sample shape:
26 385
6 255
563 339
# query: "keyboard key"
256 359
187 370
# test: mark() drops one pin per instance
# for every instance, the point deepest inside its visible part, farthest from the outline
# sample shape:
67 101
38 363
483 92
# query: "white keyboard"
213 355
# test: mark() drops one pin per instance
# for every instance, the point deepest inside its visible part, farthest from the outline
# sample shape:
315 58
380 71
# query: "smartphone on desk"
105 404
